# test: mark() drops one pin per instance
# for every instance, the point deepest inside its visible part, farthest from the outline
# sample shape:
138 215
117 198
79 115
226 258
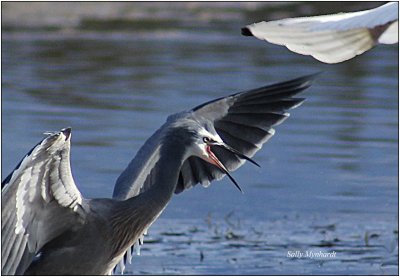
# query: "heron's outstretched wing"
244 121
39 201
332 38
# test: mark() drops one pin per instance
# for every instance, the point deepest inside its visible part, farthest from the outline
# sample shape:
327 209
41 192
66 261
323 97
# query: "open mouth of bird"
214 160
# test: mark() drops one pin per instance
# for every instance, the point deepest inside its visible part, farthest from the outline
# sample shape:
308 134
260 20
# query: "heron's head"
204 140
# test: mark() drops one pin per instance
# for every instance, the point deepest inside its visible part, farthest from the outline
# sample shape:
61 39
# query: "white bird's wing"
39 201
332 38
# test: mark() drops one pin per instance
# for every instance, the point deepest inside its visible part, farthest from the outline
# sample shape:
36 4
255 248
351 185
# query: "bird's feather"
332 38
39 201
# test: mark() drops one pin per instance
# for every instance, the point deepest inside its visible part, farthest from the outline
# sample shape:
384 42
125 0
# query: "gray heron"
332 38
49 228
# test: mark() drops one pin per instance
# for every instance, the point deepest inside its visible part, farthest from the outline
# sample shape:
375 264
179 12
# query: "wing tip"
300 102
307 80
312 76
66 132
246 32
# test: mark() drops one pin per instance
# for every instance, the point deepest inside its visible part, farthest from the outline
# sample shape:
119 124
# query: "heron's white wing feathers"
39 201
332 38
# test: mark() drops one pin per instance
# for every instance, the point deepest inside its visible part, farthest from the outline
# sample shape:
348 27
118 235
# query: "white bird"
332 38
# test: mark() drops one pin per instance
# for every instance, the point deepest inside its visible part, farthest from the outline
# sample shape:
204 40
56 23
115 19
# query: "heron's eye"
206 140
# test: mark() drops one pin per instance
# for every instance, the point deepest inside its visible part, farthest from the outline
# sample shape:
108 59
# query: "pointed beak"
237 153
212 158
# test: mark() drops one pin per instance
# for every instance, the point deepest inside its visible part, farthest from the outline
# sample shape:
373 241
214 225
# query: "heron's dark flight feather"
244 121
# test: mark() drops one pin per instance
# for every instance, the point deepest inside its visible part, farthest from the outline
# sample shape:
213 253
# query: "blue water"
328 179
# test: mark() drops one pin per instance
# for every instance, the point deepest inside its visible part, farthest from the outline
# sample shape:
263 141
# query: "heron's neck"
166 172
135 214
164 176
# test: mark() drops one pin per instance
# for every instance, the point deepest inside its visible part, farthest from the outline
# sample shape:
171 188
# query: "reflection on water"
332 163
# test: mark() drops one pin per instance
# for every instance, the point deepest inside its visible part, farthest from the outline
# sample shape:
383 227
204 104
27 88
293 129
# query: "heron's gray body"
48 228
85 245
92 246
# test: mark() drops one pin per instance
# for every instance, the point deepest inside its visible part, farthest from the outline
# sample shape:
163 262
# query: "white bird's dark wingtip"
246 32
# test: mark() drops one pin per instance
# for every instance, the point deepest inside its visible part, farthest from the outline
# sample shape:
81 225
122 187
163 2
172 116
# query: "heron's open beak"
214 160
237 153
